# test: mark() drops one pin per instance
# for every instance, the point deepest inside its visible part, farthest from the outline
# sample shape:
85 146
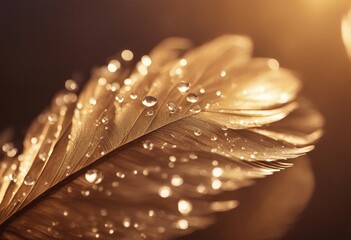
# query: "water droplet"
172 158
149 113
171 107
119 99
92 101
165 191
218 93
183 87
148 145
85 192
192 98
202 90
29 181
120 175
182 224
105 120
184 207
43 156
224 128
149 101
93 176
126 222
13 177
213 137
133 96
197 132
71 85
52 118
176 181
65 213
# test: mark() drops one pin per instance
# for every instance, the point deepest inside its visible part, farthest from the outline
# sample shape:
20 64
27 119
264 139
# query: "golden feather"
143 152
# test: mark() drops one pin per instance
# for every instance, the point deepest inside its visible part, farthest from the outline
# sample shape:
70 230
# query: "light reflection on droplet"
29 181
171 107
149 101
71 85
183 87
192 98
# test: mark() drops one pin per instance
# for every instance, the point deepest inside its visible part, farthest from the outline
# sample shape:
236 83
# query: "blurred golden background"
42 43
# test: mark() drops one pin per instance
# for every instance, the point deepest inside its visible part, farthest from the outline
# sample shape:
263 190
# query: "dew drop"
171 107
13 177
92 101
29 181
197 132
43 156
93 176
213 137
126 222
119 99
85 193
102 81
146 60
148 145
105 120
192 98
133 96
149 101
183 87
52 118
120 175
149 113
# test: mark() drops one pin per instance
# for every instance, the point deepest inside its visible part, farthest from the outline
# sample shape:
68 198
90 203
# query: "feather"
143 152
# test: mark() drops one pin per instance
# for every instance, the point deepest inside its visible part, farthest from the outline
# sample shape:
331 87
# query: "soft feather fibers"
143 152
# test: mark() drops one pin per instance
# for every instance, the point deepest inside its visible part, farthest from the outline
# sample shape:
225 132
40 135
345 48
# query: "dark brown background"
43 42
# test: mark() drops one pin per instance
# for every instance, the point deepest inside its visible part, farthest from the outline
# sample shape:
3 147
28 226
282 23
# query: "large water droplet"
149 101
192 98
93 176
183 87
29 181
